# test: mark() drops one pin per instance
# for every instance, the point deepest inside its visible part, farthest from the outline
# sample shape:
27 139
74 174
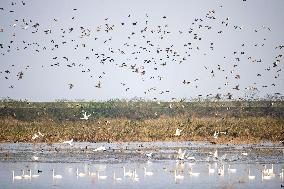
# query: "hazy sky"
160 49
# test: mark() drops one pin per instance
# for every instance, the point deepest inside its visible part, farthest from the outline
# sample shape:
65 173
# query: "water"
65 159
163 175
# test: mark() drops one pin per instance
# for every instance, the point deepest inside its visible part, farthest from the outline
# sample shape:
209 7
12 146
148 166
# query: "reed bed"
234 130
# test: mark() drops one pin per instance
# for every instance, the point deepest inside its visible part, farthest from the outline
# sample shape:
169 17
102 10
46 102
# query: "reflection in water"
157 174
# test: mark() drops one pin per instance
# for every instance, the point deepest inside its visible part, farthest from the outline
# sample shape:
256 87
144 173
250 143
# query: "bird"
16 177
35 158
135 176
101 148
221 170
85 116
250 177
148 173
101 177
40 134
270 171
70 142
193 173
116 178
149 155
230 170
178 131
281 174
92 173
35 136
56 176
70 85
216 134
26 176
265 176
210 170
127 173
80 174
215 155
35 175
181 154
178 177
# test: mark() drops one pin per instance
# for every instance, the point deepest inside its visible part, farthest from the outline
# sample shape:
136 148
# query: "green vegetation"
243 121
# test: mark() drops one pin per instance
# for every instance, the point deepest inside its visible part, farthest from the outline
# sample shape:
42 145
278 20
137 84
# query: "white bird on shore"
56 176
70 142
149 155
80 174
282 174
245 154
178 131
101 148
35 136
40 134
216 134
16 177
148 173
85 116
35 158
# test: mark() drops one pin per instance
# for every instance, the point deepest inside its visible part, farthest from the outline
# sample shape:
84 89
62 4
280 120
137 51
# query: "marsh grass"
239 130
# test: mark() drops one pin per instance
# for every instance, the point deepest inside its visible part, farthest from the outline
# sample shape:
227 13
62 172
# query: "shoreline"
136 152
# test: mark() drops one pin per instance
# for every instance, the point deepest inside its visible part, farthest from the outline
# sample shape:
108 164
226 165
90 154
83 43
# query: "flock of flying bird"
147 59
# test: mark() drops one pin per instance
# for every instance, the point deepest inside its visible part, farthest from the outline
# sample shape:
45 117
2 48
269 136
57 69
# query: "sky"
155 50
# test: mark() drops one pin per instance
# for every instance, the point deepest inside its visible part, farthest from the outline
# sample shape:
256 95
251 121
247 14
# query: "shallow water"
163 175
66 159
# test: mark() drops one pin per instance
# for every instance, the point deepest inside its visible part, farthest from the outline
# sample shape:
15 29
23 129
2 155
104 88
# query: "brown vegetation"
238 130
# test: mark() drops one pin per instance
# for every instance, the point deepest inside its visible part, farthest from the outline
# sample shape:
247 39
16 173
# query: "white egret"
178 132
101 148
85 116
70 142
